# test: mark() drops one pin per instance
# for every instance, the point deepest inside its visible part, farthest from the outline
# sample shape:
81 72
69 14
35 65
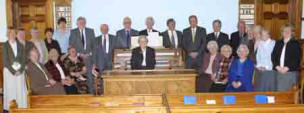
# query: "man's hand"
193 55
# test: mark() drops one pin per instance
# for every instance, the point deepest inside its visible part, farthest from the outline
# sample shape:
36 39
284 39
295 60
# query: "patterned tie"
172 40
128 38
193 35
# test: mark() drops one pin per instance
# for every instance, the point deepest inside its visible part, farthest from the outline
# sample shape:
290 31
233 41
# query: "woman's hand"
17 73
52 82
225 81
236 84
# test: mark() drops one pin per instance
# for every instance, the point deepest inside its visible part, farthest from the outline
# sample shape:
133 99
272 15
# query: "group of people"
66 61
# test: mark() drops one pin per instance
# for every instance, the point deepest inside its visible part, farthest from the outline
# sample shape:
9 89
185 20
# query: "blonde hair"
286 26
226 46
127 19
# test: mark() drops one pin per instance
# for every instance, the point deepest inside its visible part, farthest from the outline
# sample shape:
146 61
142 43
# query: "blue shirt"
263 56
63 39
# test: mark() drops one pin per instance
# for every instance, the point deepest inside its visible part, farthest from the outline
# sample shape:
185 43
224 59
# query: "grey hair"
82 18
142 37
217 21
243 46
212 42
150 18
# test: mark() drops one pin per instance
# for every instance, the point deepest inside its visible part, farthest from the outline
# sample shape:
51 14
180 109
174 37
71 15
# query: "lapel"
10 50
167 35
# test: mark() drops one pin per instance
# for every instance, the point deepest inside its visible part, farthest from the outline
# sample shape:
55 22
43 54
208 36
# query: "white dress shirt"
193 33
85 38
174 36
107 42
62 75
144 57
216 34
282 58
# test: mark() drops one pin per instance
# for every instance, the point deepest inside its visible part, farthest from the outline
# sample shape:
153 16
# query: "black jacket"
137 58
292 54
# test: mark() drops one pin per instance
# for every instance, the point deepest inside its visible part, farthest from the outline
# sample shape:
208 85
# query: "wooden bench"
182 109
242 98
53 101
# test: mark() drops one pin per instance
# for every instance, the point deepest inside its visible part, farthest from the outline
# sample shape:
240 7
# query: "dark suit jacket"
199 44
292 54
167 40
221 40
137 58
38 81
9 58
76 42
55 73
235 41
101 59
215 63
145 32
122 37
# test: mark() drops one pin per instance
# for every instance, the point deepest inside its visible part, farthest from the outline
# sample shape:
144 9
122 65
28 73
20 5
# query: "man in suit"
124 35
220 37
194 42
83 40
172 38
143 57
103 52
239 37
149 29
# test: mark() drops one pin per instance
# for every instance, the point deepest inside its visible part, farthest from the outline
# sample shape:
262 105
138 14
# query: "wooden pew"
239 109
57 101
53 101
182 109
242 98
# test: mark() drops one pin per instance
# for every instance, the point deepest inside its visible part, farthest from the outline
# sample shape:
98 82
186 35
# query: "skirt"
265 81
286 81
14 88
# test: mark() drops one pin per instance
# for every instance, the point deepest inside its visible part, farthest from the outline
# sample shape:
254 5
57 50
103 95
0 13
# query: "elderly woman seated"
221 79
77 69
210 66
59 72
41 81
143 57
241 72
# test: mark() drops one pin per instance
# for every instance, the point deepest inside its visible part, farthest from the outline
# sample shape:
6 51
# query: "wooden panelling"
273 14
149 82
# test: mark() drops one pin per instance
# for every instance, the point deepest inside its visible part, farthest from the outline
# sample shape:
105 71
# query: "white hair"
243 46
142 37
212 42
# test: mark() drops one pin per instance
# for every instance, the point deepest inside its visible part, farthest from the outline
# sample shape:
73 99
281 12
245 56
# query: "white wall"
3 22
113 11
